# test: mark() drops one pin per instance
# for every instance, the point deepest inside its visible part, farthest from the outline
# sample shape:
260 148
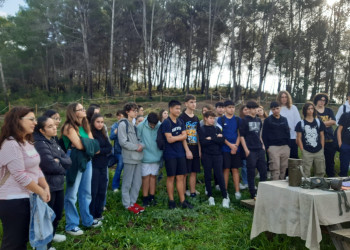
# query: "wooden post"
161 96
106 97
36 109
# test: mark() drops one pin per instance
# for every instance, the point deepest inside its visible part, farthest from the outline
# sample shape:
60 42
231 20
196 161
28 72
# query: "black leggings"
57 204
15 218
214 162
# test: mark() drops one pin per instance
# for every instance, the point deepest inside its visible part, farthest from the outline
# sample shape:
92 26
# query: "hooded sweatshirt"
148 136
129 142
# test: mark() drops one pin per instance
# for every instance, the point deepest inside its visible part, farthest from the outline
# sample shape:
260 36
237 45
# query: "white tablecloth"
294 211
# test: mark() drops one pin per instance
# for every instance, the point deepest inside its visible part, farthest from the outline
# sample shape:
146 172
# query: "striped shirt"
22 161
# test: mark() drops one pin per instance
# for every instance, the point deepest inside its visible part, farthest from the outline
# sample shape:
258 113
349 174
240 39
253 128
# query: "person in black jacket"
99 167
54 163
211 140
276 136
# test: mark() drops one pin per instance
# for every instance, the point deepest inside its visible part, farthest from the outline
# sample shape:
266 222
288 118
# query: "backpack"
127 129
302 123
336 131
161 137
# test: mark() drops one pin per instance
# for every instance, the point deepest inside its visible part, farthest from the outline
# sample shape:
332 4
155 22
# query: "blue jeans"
244 172
81 190
118 172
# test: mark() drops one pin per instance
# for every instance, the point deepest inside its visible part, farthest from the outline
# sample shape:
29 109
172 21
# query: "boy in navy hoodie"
250 132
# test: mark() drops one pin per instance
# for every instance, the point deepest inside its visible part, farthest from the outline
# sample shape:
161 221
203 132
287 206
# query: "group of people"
33 160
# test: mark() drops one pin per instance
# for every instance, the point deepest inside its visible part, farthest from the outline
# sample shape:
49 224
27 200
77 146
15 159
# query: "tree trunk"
3 83
109 89
84 32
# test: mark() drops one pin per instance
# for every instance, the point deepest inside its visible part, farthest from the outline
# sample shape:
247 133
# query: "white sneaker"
238 195
217 187
52 248
243 186
75 231
188 193
59 238
211 201
206 192
226 203
116 190
96 223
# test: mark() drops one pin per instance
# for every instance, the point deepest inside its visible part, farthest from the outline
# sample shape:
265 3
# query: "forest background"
65 49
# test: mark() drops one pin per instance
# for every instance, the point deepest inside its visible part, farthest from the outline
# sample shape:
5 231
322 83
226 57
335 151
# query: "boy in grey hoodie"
132 152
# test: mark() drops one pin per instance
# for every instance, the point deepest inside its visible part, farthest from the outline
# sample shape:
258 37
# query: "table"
294 211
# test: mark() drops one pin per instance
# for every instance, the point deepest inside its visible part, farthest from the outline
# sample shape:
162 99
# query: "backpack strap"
344 108
127 129
302 123
223 119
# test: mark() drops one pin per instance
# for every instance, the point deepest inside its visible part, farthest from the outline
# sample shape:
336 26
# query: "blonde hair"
289 98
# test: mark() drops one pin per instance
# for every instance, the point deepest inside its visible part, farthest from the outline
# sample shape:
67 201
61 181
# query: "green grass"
158 227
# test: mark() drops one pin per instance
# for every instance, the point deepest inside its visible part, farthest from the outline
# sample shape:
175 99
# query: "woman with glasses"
20 175
74 130
327 116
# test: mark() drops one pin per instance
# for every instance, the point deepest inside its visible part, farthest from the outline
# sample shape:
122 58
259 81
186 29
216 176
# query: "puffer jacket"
54 171
129 142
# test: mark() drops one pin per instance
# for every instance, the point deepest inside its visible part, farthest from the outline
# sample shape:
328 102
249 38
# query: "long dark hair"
12 126
41 122
93 129
73 121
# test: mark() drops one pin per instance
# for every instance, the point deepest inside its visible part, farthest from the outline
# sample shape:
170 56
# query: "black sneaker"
153 202
193 195
186 204
172 204
145 202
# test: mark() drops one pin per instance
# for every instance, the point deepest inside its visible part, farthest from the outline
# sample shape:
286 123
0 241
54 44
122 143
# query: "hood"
155 128
40 137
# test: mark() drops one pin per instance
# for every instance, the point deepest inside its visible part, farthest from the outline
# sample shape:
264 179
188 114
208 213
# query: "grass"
158 227
204 227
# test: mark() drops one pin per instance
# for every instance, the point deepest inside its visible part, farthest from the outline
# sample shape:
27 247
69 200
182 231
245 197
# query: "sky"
11 7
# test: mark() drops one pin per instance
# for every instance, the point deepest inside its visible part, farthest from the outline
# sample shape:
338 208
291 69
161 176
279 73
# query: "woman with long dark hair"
20 175
99 167
76 129
54 163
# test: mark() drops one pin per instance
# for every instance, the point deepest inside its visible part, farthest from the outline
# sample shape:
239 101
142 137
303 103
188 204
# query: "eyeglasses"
32 119
83 109
58 119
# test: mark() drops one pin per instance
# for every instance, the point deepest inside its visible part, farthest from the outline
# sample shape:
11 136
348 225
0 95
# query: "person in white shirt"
343 108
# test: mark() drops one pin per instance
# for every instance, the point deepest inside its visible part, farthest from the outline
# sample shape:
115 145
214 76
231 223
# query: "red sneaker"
139 208
133 209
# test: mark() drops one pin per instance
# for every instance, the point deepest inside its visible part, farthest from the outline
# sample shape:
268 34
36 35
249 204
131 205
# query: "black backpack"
161 137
